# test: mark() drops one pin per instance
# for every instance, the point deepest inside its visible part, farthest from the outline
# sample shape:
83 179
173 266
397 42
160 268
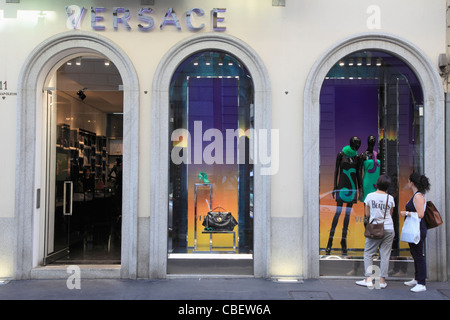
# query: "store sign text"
122 16
4 90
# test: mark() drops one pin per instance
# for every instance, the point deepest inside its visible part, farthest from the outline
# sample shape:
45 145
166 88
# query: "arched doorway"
433 102
215 44
32 99
83 139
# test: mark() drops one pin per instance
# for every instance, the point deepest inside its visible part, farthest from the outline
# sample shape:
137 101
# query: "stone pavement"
229 289
214 298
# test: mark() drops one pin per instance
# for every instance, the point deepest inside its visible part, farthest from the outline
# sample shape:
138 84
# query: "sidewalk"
233 289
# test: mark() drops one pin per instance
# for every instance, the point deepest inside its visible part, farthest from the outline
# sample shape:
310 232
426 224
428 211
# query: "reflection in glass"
376 97
211 100
84 163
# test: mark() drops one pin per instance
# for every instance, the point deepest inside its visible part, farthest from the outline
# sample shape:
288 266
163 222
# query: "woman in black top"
419 185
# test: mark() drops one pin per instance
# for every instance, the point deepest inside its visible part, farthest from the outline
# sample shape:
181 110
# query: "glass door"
84 121
59 192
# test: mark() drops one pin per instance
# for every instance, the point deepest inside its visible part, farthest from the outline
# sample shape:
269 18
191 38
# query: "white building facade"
125 123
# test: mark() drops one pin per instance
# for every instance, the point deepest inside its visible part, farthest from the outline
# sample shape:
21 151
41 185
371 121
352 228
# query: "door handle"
68 191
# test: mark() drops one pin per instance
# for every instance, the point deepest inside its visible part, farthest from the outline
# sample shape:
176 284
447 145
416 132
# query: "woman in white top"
374 209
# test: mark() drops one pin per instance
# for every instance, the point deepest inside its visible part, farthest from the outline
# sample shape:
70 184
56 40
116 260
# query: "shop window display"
210 195
371 124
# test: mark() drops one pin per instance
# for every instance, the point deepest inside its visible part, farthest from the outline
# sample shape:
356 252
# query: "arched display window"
210 117
371 123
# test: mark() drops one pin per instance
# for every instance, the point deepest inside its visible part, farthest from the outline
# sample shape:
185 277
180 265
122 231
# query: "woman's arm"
367 212
391 211
419 203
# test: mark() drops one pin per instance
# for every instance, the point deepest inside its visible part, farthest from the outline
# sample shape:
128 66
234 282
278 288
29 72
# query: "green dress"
371 174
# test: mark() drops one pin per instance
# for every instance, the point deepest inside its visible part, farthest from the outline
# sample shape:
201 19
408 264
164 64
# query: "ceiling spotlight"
368 59
207 59
378 61
78 61
106 62
81 94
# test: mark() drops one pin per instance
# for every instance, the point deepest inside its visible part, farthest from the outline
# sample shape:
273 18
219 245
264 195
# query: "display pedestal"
221 232
196 186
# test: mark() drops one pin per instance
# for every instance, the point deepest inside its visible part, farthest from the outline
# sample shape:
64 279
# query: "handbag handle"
218 208
385 209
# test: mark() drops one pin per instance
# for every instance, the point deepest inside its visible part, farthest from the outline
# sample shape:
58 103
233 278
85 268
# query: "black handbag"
219 221
376 230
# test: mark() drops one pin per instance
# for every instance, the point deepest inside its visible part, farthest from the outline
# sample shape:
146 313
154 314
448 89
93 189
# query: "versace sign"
145 21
